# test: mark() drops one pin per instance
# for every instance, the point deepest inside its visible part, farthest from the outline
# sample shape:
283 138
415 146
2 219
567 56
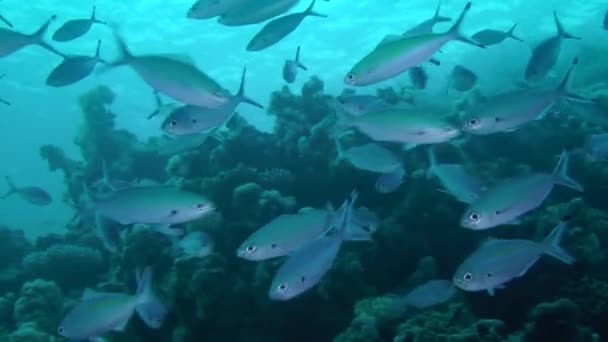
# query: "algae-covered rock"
40 302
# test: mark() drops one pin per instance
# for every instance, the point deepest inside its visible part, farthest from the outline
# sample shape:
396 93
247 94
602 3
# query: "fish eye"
274 245
282 287
60 330
173 212
473 122
467 276
350 77
193 121
250 248
173 123
474 217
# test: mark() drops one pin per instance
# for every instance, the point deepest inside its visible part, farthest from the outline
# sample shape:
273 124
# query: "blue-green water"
283 158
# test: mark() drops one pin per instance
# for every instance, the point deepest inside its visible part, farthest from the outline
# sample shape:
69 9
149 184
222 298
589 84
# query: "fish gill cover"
284 170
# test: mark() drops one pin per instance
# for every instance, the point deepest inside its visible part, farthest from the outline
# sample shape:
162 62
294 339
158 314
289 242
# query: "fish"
507 201
462 79
545 55
357 105
109 232
13 41
363 224
418 77
1 99
161 107
306 266
152 205
425 27
187 120
277 29
31 194
369 157
454 178
596 147
182 143
6 21
74 69
489 37
431 293
393 58
205 9
194 245
255 12
174 76
508 111
498 261
400 125
290 68
99 313
390 181
73 29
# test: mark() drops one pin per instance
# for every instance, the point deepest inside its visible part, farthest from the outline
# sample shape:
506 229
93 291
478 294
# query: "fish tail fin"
432 161
144 285
339 149
298 63
124 53
241 93
12 188
39 36
560 174
310 11
159 103
560 28
552 244
455 33
512 35
345 219
151 311
438 18
4 20
94 17
563 86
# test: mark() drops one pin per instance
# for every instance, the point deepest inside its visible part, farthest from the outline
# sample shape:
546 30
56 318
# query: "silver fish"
74 69
357 105
418 77
175 77
506 202
462 79
455 179
596 147
255 12
508 111
73 29
183 143
99 313
153 205
31 194
391 181
205 9
490 37
161 107
290 68
4 20
194 245
187 120
277 29
499 261
545 55
363 224
369 157
304 268
431 293
13 41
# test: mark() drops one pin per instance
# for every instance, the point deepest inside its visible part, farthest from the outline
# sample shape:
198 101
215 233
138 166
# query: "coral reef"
40 302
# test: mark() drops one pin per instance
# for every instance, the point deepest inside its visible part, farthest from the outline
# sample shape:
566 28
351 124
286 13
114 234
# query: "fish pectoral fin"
490 291
517 221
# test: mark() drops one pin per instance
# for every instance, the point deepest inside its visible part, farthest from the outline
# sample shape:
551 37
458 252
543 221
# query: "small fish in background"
507 201
357 105
363 224
1 99
369 157
277 29
188 120
5 21
175 76
13 41
390 181
418 77
255 12
31 194
454 178
508 111
596 147
76 28
428 294
99 313
290 68
489 37
74 69
498 261
545 55
461 79
393 58
206 9
306 266
195 245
